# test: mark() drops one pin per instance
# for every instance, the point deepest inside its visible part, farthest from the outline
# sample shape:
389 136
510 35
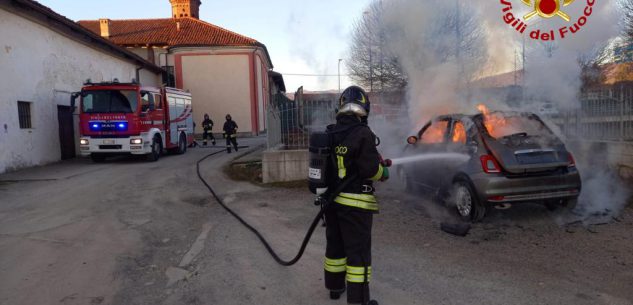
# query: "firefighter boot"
228 150
372 302
213 142
336 294
204 143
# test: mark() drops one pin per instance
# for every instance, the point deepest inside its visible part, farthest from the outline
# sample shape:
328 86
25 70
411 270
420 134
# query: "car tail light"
489 164
496 198
572 161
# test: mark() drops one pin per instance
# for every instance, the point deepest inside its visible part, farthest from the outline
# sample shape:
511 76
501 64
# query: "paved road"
131 232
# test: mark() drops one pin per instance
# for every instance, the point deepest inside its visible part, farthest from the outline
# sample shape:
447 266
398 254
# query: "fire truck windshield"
109 101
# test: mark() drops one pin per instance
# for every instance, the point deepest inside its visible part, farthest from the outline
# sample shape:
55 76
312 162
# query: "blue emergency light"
108 126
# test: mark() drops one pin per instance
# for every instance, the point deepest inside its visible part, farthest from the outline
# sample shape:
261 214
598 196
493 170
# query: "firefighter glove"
385 174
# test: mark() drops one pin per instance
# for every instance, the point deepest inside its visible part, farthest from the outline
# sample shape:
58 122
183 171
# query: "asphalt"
131 232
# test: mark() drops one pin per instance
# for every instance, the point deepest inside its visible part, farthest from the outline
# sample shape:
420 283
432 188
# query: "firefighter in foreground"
230 133
207 125
349 217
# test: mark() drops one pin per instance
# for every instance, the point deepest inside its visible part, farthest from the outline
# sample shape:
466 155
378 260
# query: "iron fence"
605 115
291 122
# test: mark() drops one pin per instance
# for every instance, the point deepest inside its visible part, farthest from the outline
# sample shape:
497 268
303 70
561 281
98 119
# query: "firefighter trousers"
348 251
231 140
208 134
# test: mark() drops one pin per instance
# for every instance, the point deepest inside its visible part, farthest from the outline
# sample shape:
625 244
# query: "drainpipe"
256 93
138 75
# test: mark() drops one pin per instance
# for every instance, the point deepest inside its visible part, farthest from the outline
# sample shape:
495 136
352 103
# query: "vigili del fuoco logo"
547 9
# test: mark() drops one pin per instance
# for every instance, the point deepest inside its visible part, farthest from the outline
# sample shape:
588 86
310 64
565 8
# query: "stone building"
44 57
226 72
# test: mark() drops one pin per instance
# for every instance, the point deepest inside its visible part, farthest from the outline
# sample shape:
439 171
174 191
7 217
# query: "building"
44 57
226 72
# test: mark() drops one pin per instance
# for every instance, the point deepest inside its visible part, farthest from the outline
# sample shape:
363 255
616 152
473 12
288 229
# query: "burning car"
509 157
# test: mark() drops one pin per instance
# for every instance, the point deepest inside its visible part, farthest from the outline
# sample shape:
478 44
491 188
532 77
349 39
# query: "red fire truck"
128 118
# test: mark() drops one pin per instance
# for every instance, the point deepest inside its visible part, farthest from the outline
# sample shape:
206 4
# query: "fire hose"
325 203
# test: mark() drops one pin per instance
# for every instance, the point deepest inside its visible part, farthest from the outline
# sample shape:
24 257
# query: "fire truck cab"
128 118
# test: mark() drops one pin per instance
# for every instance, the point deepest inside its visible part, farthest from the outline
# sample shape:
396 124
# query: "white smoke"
440 78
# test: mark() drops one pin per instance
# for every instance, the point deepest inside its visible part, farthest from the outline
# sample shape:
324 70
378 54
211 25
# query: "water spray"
431 156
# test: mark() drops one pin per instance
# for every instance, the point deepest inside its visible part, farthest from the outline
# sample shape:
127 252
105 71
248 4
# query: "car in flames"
511 157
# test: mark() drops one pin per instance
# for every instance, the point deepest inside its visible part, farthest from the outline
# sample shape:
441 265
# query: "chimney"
178 26
105 27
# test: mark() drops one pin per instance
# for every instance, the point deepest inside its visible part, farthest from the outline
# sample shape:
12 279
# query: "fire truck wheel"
97 158
156 149
182 145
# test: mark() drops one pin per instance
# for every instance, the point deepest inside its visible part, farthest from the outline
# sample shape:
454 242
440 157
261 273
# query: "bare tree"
456 37
370 63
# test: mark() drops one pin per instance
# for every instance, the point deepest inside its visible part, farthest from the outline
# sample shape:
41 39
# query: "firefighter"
207 125
230 133
349 217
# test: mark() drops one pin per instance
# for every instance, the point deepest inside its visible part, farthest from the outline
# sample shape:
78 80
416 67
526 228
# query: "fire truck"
128 118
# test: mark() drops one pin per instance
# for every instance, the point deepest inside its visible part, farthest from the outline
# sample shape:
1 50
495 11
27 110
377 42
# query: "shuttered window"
24 113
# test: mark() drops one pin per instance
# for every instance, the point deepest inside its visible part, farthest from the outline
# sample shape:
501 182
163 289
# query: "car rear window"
500 125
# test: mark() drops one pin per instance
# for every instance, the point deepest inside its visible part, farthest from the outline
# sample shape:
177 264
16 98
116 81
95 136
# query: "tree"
380 45
370 63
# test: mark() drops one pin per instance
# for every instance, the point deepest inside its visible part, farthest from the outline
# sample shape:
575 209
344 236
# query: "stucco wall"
42 67
219 84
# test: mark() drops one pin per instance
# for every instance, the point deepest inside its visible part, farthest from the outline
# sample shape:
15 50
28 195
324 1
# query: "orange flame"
495 123
459 133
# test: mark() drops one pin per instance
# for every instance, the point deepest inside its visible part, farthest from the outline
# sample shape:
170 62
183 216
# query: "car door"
459 142
432 139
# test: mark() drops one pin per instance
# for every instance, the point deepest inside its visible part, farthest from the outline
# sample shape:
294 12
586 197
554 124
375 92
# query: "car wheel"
570 204
182 145
466 202
156 150
97 158
552 205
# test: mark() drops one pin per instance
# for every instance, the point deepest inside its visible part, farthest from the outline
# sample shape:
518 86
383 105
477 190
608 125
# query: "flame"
495 123
435 133
459 133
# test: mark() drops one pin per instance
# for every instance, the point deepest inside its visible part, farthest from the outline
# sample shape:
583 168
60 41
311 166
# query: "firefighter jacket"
230 128
207 124
355 153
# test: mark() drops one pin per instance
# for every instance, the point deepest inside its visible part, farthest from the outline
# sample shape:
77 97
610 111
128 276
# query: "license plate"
108 141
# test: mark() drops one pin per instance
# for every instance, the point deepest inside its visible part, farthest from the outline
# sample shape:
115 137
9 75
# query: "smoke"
444 47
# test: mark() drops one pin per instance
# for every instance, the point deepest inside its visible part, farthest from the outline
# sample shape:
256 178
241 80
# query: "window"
109 101
435 133
168 76
158 101
459 133
146 100
24 113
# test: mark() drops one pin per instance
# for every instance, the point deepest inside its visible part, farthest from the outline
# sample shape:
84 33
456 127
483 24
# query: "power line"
318 75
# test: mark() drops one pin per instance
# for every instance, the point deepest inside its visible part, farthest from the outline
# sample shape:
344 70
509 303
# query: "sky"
302 37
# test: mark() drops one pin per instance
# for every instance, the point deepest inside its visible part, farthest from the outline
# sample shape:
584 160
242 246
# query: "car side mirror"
412 140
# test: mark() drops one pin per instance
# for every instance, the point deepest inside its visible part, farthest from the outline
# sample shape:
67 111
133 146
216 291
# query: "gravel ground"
130 232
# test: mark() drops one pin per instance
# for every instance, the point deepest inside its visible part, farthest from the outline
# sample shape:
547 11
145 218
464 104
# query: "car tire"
97 158
570 204
466 203
157 148
182 145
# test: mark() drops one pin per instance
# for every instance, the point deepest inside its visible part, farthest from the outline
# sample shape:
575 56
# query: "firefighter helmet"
354 100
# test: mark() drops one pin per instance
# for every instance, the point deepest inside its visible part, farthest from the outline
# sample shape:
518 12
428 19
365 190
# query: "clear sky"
302 37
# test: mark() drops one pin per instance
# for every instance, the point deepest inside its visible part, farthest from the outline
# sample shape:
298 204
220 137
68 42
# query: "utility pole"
339 75
369 40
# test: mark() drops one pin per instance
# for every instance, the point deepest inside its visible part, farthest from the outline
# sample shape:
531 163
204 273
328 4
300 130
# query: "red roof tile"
164 32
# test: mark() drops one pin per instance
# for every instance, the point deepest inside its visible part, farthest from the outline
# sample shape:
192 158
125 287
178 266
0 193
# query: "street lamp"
371 65
339 75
